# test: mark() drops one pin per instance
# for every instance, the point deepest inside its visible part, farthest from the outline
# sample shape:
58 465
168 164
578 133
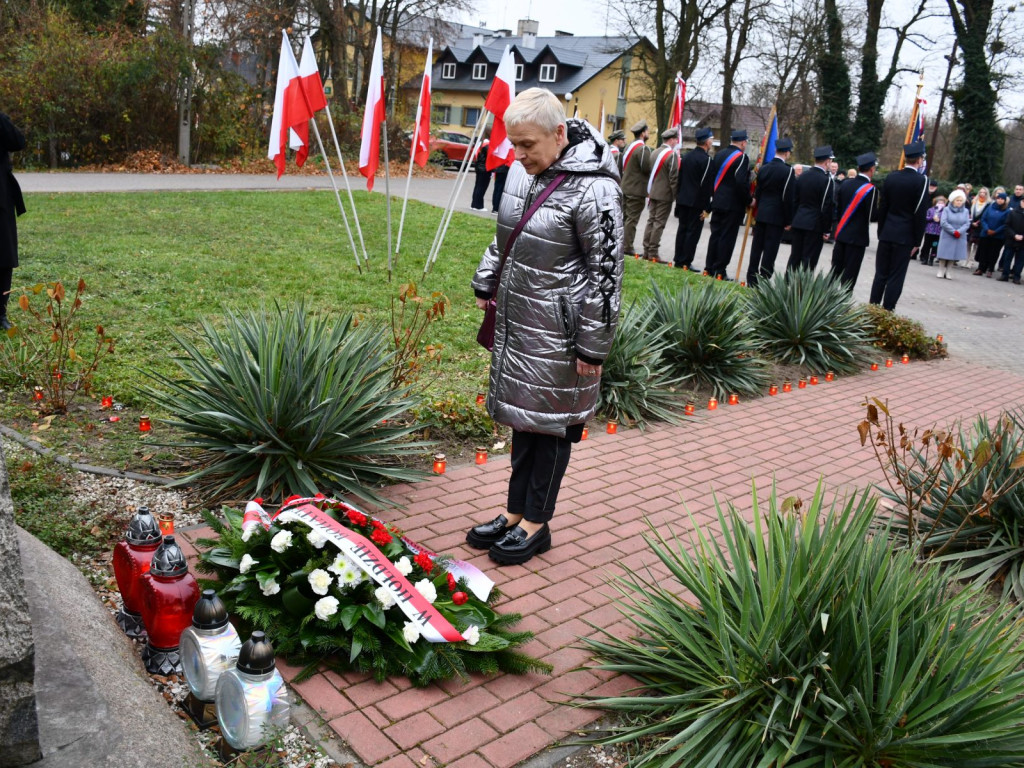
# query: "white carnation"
320 581
247 563
384 596
411 632
403 566
287 517
317 539
325 607
471 634
281 541
271 588
426 588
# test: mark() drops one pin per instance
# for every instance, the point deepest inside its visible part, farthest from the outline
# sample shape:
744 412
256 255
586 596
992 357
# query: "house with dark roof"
594 75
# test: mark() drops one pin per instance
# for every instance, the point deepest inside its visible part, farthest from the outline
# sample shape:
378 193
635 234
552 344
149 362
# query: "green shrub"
806 318
901 335
287 403
636 382
709 339
812 644
455 415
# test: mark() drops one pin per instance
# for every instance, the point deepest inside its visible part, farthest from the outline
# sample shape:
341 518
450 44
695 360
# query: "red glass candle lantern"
689 408
144 424
830 376
107 402
612 427
586 433
169 596
481 455
888 362
37 393
939 338
874 366
166 521
712 404
132 556
480 398
802 384
734 399
905 359
440 463
814 380
718 277
773 390
787 386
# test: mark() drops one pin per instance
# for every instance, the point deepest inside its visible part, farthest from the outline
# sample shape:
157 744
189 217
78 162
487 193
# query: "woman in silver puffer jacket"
557 307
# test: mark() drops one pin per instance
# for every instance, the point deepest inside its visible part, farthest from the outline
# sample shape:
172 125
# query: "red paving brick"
667 475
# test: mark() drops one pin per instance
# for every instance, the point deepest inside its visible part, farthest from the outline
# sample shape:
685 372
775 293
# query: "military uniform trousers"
632 207
657 216
891 262
806 249
846 261
764 248
724 227
687 235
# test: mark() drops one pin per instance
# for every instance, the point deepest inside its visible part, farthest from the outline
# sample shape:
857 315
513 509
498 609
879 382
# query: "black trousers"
846 261
764 248
891 262
483 180
687 235
538 466
988 252
806 249
499 188
725 225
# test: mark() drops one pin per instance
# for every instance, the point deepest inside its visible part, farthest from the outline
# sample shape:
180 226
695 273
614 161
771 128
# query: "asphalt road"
982 320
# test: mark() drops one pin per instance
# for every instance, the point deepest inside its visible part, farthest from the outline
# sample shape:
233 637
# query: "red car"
449 148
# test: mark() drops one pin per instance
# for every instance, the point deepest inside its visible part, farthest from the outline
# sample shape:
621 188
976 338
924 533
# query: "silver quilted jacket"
559 294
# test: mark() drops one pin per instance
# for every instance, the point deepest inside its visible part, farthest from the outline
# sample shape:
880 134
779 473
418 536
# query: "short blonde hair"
538 106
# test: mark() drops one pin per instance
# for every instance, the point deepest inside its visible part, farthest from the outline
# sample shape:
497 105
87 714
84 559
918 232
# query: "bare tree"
738 21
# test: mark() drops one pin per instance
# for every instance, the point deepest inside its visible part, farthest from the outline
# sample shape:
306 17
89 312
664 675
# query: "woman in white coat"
955 223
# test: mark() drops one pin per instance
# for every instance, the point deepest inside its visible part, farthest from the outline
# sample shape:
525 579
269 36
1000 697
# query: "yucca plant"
708 337
809 319
811 644
636 382
281 401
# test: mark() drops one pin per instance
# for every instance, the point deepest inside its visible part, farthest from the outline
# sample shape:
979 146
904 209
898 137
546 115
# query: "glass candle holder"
166 523
734 399
802 384
905 359
814 381
586 434
689 408
481 455
480 398
830 376
612 427
107 402
712 404
37 393
939 338
888 362
773 390
787 386
874 366
440 463
144 424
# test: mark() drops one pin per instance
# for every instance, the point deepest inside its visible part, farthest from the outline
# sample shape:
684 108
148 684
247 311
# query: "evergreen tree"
833 119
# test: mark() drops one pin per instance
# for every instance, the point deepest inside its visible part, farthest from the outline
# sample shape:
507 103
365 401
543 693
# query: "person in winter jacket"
932 230
483 176
1013 253
557 290
954 228
990 238
12 205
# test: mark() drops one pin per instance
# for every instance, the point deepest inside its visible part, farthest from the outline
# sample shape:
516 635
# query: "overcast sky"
581 17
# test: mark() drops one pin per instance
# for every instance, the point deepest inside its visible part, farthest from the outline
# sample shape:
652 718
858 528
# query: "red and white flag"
369 147
421 146
290 108
313 92
503 91
678 104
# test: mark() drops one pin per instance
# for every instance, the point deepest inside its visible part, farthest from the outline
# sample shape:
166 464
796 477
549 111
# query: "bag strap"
545 193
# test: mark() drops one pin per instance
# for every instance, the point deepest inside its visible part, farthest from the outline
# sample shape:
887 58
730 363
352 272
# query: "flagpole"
913 119
387 188
337 194
348 186
408 180
750 208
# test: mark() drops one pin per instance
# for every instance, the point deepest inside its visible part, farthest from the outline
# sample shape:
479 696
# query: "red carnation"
258 500
319 497
380 536
423 561
460 598
290 499
452 583
356 518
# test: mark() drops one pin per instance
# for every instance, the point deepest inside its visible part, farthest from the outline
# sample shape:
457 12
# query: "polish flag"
313 93
503 91
678 104
369 147
421 146
290 109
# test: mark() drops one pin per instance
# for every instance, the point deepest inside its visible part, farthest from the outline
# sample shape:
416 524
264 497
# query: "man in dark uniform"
635 168
693 198
812 222
902 216
774 195
729 201
857 206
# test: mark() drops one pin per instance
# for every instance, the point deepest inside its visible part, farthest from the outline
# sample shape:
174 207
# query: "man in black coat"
812 222
901 220
693 197
857 206
730 198
774 195
12 205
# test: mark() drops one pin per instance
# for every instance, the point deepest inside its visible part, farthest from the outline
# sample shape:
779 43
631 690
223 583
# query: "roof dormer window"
548 72
448 70
480 71
519 73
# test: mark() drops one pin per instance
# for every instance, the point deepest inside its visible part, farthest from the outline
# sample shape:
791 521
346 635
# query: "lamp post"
208 649
169 596
251 697
132 557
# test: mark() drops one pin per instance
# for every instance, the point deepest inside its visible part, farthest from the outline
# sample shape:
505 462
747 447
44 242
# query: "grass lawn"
156 263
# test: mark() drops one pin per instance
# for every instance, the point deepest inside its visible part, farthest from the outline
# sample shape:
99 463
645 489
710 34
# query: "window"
442 114
470 115
623 80
519 73
448 70
480 71
548 72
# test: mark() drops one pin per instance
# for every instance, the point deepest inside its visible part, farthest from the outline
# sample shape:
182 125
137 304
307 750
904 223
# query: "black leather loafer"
484 535
516 547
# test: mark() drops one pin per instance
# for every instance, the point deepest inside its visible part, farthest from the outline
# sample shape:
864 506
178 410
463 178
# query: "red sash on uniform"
858 198
726 165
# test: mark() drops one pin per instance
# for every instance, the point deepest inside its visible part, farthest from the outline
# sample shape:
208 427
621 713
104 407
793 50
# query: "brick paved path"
667 475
